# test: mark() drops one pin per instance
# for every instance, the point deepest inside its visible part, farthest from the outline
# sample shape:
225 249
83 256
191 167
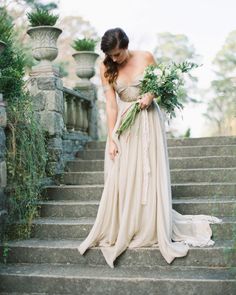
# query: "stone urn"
85 66
2 46
44 49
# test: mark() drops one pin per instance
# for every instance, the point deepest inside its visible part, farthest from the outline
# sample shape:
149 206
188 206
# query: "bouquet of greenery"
164 81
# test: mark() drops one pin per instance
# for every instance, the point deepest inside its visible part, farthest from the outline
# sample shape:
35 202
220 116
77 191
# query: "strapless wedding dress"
135 209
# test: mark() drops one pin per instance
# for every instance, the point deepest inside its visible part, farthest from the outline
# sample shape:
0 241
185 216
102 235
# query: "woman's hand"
145 100
113 150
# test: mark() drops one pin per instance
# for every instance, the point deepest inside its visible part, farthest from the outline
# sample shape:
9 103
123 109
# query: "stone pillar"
45 85
3 168
48 101
85 70
90 92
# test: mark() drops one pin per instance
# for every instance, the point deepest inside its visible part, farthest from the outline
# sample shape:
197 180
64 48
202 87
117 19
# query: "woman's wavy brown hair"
112 39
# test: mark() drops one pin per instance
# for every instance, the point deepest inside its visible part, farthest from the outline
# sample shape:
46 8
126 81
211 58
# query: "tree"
221 107
173 47
13 60
73 27
177 48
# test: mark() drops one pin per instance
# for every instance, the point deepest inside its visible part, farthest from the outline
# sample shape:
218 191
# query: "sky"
205 22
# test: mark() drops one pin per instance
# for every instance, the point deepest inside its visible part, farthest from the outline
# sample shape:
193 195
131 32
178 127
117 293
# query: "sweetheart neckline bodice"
122 82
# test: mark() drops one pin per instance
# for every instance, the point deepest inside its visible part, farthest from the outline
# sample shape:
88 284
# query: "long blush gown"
135 209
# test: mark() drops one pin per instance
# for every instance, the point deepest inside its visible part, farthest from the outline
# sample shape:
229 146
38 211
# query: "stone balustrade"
78 120
76 111
69 116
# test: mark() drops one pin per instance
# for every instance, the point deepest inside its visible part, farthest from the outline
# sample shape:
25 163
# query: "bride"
135 209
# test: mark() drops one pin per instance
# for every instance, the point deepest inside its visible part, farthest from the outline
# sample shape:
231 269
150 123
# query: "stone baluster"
85 118
79 115
70 113
82 116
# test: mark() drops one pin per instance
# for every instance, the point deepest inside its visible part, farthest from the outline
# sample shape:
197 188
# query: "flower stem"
129 118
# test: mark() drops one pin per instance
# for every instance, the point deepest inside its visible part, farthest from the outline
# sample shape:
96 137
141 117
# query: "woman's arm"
111 104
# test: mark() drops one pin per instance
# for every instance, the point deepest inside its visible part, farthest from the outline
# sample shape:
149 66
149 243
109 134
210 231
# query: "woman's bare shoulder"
146 55
149 57
143 52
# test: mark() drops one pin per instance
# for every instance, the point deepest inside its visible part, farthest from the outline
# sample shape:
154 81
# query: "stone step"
94 192
74 228
219 140
77 279
202 162
221 254
175 163
177 176
219 206
184 151
16 293
203 175
203 189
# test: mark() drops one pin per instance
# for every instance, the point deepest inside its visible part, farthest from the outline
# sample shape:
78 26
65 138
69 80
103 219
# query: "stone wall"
48 102
60 111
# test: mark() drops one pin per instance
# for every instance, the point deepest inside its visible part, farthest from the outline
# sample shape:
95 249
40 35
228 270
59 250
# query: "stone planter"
44 49
85 70
2 46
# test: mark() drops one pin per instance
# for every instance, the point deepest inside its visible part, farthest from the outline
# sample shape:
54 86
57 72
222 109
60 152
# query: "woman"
136 204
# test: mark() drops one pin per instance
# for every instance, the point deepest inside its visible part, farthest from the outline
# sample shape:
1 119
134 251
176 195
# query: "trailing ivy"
25 139
26 160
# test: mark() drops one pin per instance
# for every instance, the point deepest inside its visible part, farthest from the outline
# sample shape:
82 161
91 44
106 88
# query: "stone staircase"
203 176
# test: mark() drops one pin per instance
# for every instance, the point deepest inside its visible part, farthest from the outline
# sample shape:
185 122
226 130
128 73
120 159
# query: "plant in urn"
85 58
44 46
